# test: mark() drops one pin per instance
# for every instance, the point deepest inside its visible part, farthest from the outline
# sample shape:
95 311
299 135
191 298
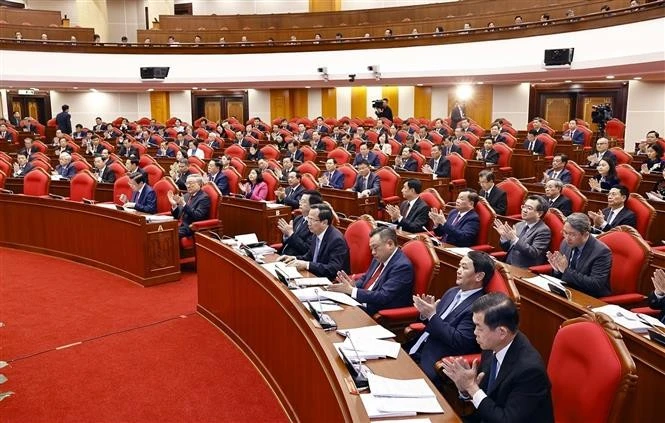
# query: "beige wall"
646 110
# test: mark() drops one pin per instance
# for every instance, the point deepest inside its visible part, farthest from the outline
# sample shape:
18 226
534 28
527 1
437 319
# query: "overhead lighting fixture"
150 89
93 90
76 88
375 71
419 85
195 88
480 83
567 81
204 89
324 73
609 77
464 91
637 78
307 87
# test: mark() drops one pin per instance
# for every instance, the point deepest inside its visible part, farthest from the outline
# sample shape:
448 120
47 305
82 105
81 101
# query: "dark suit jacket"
193 211
453 149
498 138
521 392
456 114
658 304
443 168
577 137
373 184
538 146
147 201
337 179
607 184
180 182
222 182
564 176
530 248
333 254
350 147
64 121
66 172
298 243
107 175
497 199
417 217
607 155
7 136
297 156
410 165
592 273
372 158
462 234
564 205
491 157
26 169
322 129
392 289
450 336
128 152
625 217
293 196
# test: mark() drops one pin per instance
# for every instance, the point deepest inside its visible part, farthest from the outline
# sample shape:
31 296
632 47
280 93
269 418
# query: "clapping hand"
557 260
427 168
393 211
437 216
426 305
505 231
344 283
597 218
285 227
466 378
658 280
594 184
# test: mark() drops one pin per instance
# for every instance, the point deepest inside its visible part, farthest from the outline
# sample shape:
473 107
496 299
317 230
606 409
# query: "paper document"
56 177
386 387
542 281
304 282
374 331
262 251
405 404
289 271
373 412
373 347
307 294
623 317
324 307
340 298
653 197
158 218
274 205
460 251
106 205
246 239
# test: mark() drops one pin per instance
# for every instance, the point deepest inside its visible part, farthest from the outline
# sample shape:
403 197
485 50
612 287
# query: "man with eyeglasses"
615 214
296 236
602 153
582 261
495 196
558 170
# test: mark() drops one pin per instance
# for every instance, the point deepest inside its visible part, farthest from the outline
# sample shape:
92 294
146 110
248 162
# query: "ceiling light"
567 81
637 78
150 89
609 77
307 86
420 85
204 89
76 88
195 88
480 82
464 91
93 90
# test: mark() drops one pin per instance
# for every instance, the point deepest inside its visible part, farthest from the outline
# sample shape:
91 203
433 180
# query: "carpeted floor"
144 356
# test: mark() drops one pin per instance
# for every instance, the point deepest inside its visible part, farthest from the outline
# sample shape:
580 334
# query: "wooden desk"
473 168
347 202
273 328
242 216
527 165
103 193
120 242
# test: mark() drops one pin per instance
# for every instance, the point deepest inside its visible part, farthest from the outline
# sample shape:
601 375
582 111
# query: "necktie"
487 194
436 165
443 315
554 175
524 230
457 219
365 183
611 217
493 370
408 209
375 276
531 146
574 255
316 250
551 201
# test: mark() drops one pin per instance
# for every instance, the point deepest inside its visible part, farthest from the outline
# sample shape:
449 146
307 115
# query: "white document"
373 412
374 347
306 294
395 388
405 405
623 317
325 308
340 298
304 282
274 205
246 239
263 250
374 331
542 281
56 177
653 197
460 251
158 218
290 271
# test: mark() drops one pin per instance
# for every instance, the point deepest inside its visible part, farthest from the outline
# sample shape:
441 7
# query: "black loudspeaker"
154 73
559 56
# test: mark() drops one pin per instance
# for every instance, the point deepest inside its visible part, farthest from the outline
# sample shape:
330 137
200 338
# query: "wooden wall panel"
359 102
479 106
299 102
325 5
280 105
160 108
392 94
422 102
329 102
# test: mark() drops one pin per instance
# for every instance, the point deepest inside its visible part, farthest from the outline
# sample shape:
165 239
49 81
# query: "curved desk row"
120 242
273 328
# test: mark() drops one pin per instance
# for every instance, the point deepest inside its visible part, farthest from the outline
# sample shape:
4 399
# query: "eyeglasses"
570 234
527 207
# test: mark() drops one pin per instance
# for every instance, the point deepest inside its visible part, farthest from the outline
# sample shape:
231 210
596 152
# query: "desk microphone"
432 237
326 321
355 351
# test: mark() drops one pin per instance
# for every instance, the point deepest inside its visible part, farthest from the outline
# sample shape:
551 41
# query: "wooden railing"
31 17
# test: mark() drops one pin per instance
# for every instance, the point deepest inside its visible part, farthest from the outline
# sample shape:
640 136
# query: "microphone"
355 351
432 237
326 322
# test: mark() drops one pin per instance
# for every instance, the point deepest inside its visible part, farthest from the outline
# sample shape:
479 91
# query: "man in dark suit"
573 134
456 114
99 126
22 167
316 142
405 162
132 166
449 330
180 177
555 200
487 153
440 129
193 207
537 126
291 195
328 252
494 195
558 170
216 176
657 296
462 225
412 215
347 144
104 173
365 155
321 127
602 153
28 127
15 120
528 241
367 182
28 149
450 147
5 134
294 153
438 164
287 167
332 178
63 120
495 134
582 261
510 384
144 198
388 282
127 150
615 214
212 141
532 144
65 169
296 237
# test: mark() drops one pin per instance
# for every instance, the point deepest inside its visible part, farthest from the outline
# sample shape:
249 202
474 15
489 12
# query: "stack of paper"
289 271
542 281
158 218
394 397
368 349
304 282
626 318
367 332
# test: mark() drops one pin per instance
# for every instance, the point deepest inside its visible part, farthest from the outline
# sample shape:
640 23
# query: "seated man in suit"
438 164
127 150
296 237
104 173
602 153
367 182
294 153
144 198
449 329
558 170
510 384
212 141
495 134
487 153
528 241
291 195
287 167
368 156
5 134
495 196
412 215
449 147
462 225
99 125
216 176
65 169
316 142
657 297
404 161
388 282
582 261
332 178
321 127
573 134
553 189
328 252
28 149
532 144
615 214
180 175
190 208
440 129
347 144
21 166
538 126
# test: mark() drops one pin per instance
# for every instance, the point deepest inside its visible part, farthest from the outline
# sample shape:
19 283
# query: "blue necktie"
492 376
574 255
316 250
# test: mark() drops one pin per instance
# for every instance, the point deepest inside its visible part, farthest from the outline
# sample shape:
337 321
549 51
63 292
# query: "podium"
349 203
242 216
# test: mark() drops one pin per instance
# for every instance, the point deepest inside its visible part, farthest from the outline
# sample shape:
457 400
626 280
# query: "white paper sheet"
374 331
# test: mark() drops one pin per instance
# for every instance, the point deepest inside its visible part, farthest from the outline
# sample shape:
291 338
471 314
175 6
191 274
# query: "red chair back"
425 148
578 200
340 155
195 160
357 238
207 150
433 199
239 165
118 169
389 184
235 150
121 186
471 138
142 149
372 136
588 136
273 183
394 146
173 147
502 281
195 169
576 173
350 175
270 151
36 183
234 179
457 166
145 160
549 142
645 213
436 139
630 258
505 154
6 157
5 167
383 158
107 145
508 129
40 146
516 194
75 147
509 139
161 188
309 167
82 185
154 172
42 165
3 179
215 198
614 128
81 165
622 156
425 262
309 182
468 150
486 216
554 220
629 177
309 153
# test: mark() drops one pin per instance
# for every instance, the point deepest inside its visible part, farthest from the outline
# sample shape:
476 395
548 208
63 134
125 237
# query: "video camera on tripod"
600 114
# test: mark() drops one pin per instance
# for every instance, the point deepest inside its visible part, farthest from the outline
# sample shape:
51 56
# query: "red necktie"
374 277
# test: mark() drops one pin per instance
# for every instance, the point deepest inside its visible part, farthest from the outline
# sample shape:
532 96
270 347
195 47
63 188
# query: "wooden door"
220 105
558 109
479 106
34 106
234 108
212 109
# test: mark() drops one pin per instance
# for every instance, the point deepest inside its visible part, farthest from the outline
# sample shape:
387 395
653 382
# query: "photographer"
600 114
382 109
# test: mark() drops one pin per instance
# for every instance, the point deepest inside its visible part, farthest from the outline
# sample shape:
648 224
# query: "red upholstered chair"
212 223
389 185
5 167
350 175
588 137
486 215
436 139
468 150
195 169
309 182
471 138
614 128
401 135
309 167
40 146
357 238
42 164
425 148
425 266
195 160
239 165
576 173
549 142
270 151
118 169
383 158
645 213
509 139
340 155
273 183
81 165
173 147
3 179
145 160
274 164
588 353
154 172
395 146
121 186
142 149
432 198
420 159
457 175
629 177
6 157
516 194
630 259
505 157
201 133
309 153
235 150
107 145
161 188
477 130
372 136
234 179
207 151
75 147
82 185
622 156
36 183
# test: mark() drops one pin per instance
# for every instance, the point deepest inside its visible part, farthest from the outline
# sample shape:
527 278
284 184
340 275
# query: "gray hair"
580 222
557 183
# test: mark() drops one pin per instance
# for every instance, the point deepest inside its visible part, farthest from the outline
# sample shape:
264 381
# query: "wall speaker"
154 73
559 56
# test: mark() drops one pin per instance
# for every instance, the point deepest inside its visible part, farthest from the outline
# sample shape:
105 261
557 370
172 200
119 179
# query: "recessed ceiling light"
567 81
93 90
150 89
307 86
204 89
76 88
420 85
480 82
637 78
609 77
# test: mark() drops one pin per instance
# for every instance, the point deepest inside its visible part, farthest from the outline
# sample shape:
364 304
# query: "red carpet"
145 364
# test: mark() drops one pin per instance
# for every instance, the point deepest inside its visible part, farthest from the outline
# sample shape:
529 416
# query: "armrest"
646 310
205 224
499 255
543 268
413 330
395 315
469 358
392 200
277 246
458 182
623 299
483 247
